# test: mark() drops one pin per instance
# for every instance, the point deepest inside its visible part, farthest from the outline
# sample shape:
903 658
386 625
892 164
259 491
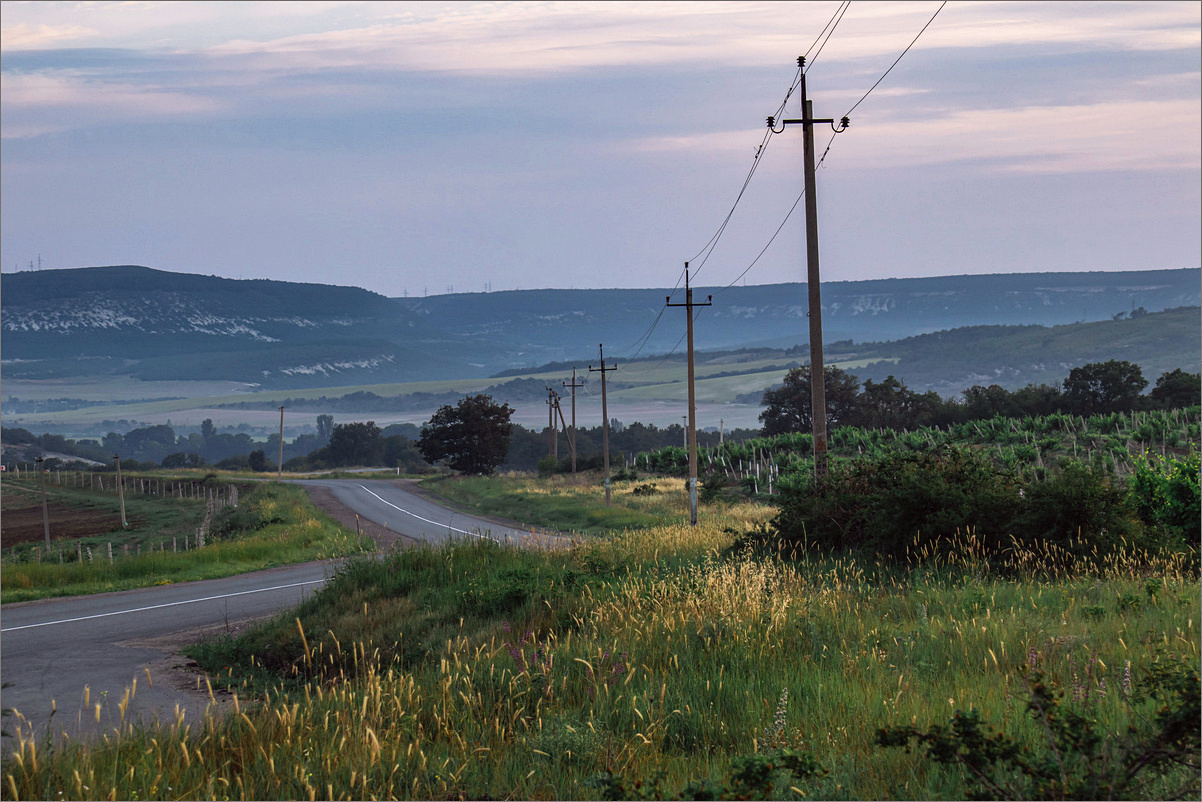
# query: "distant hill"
152 324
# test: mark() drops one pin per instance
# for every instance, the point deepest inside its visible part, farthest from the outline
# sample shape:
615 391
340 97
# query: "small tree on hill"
471 437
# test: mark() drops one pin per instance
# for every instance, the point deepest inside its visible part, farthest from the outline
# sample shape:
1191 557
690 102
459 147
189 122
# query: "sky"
422 148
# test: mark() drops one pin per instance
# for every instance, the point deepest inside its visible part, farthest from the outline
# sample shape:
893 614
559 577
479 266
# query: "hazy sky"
412 147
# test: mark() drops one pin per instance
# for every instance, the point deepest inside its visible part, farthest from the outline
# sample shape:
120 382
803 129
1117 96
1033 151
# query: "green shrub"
897 501
1076 759
1078 508
1166 497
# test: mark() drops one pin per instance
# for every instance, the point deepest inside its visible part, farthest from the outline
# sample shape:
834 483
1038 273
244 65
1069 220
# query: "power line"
836 20
709 246
830 142
899 58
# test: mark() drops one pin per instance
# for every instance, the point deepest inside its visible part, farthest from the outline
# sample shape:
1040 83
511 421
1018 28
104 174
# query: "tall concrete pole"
817 374
813 283
604 418
691 433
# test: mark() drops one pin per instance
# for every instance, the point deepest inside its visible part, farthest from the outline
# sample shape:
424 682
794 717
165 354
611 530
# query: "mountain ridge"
156 324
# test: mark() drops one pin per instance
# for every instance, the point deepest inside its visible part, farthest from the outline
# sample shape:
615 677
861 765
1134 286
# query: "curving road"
393 506
50 650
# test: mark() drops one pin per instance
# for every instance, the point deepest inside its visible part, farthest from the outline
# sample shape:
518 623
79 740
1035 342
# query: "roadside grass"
566 505
273 525
639 662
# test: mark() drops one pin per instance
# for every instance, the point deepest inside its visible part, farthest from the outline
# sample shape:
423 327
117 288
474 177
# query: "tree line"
1099 387
476 435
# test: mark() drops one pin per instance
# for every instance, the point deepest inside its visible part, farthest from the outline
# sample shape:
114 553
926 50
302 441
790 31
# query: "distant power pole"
279 468
45 511
604 417
817 375
552 429
120 490
691 435
572 439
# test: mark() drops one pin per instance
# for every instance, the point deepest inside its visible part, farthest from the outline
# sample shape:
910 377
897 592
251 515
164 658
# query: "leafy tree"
354 444
788 409
1177 389
1103 387
181 459
207 429
472 437
257 460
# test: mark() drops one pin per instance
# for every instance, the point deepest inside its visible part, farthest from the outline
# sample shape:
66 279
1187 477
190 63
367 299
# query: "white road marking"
160 606
432 523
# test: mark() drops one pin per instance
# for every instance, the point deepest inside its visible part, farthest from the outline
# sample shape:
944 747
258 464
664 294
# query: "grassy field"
645 662
270 525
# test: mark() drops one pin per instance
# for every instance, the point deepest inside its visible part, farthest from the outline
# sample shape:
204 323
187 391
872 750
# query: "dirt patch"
384 538
22 519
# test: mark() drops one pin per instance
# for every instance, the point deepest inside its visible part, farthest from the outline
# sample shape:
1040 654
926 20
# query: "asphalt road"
51 650
392 506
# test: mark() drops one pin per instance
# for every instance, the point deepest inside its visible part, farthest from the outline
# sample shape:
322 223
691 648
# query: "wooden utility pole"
279 468
691 443
120 490
817 374
45 510
572 439
604 417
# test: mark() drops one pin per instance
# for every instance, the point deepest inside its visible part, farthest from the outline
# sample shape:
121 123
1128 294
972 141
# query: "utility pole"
552 429
120 490
45 511
279 472
817 375
604 417
572 439
691 435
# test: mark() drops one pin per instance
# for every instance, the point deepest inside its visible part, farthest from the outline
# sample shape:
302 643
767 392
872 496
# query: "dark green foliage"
1177 389
257 460
1166 495
1075 760
890 503
353 444
1103 387
472 437
1078 508
788 408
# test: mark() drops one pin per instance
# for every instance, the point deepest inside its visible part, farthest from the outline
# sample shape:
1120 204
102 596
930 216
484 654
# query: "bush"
891 503
1078 508
1165 494
901 502
1076 760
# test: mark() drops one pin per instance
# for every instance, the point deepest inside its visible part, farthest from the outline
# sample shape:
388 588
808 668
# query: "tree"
355 444
1177 389
471 437
1103 387
788 409
257 460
